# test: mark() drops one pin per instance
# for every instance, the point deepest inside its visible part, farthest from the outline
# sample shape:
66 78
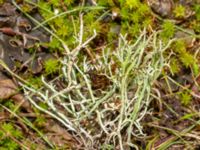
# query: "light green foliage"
134 14
26 7
67 26
51 66
8 144
132 3
43 105
107 147
62 26
31 50
135 17
69 2
7 130
187 59
46 10
54 45
197 11
1 2
185 97
91 23
175 66
54 3
9 104
183 59
195 69
35 82
196 22
179 47
196 26
40 121
179 11
168 30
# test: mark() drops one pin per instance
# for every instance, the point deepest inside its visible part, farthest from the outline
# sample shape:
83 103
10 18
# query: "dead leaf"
59 135
7 10
55 128
8 89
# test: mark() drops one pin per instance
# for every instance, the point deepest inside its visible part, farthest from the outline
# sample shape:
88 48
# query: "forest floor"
98 74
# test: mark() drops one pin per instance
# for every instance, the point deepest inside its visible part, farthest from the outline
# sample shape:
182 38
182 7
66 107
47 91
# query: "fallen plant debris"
8 90
97 74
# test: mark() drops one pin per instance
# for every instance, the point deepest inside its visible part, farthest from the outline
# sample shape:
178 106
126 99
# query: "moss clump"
7 131
197 11
179 11
185 57
182 58
168 30
175 65
185 97
196 22
35 82
135 16
2 1
51 66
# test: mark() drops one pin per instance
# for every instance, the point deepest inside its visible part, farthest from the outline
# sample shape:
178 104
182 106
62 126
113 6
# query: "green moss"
179 11
2 1
40 121
179 47
91 23
195 69
144 10
197 11
175 66
103 3
68 2
196 22
168 30
35 82
185 57
196 25
7 130
46 9
27 8
135 17
43 105
62 26
51 66
132 3
9 104
185 97
54 46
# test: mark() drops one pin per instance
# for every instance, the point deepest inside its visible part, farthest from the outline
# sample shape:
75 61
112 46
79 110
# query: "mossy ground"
94 70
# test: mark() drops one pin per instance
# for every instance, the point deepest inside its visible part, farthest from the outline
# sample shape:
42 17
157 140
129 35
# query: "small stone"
162 8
